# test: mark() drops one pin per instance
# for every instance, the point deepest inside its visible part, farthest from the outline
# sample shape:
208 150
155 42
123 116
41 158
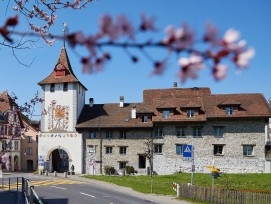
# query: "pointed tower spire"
62 71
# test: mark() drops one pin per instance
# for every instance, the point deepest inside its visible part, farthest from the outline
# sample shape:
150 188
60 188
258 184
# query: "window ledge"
218 155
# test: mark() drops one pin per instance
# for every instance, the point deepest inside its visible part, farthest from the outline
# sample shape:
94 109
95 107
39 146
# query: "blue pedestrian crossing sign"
187 151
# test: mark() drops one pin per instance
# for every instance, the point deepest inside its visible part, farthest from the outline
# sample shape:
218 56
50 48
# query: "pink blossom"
87 65
147 23
211 34
220 71
107 27
5 160
124 27
231 36
190 66
159 67
100 61
180 38
242 59
91 43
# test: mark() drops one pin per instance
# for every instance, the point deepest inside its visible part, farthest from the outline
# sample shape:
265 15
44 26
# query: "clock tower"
60 146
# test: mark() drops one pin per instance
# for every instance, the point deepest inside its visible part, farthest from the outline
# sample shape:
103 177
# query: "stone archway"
59 160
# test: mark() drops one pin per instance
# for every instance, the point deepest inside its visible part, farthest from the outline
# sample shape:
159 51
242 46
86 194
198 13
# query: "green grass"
162 184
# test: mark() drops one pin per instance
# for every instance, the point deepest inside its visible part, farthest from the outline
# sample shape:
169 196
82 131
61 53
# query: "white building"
60 146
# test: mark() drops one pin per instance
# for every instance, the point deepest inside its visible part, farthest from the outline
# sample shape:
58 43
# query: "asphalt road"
78 190
85 194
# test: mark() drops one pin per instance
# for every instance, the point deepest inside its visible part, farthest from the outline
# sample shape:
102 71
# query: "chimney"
121 101
175 85
133 113
91 102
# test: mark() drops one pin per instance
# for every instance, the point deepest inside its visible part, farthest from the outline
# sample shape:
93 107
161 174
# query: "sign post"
188 153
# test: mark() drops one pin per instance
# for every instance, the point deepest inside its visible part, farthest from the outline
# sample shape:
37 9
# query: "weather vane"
64 33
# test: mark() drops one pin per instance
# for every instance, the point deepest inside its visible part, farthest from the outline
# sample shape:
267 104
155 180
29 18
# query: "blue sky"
122 78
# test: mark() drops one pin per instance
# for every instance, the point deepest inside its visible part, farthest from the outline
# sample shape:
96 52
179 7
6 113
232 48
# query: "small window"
29 139
91 149
144 118
248 150
65 87
218 149
158 148
122 165
190 113
229 110
122 135
180 131
166 113
109 135
179 149
52 88
122 150
108 150
28 150
92 135
158 132
197 132
218 131
16 145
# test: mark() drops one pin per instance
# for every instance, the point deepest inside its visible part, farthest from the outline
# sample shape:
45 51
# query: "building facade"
228 131
29 145
11 127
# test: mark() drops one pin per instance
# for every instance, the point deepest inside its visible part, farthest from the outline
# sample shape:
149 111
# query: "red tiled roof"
5 104
207 104
229 101
69 76
109 116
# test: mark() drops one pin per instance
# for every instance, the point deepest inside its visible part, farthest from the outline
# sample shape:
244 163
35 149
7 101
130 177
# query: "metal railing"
29 193
13 184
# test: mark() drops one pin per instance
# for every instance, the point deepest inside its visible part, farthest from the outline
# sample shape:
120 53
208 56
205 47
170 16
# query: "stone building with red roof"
229 131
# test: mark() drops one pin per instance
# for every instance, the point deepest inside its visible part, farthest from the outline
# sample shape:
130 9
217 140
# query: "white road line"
58 187
88 195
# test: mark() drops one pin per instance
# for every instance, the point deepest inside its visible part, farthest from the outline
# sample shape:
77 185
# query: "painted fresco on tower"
58 116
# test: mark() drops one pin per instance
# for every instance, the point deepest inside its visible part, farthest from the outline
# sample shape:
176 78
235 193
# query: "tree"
193 54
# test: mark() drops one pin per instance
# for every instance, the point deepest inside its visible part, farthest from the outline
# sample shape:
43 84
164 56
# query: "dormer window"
229 110
52 88
190 113
166 113
144 119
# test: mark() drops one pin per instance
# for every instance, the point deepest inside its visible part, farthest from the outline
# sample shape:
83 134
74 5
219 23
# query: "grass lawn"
162 184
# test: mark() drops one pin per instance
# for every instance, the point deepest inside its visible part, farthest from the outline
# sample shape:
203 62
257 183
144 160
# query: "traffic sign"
187 151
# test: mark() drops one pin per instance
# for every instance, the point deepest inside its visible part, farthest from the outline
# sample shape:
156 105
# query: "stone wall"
237 133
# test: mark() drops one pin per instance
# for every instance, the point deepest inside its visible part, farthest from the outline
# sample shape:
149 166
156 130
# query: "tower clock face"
59 66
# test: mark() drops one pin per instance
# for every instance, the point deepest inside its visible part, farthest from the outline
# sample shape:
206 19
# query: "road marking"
88 195
58 187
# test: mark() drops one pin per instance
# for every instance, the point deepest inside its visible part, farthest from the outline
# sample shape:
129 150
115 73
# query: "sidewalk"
156 198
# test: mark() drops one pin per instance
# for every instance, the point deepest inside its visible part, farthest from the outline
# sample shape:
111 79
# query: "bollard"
65 174
55 173
40 172
46 173
178 190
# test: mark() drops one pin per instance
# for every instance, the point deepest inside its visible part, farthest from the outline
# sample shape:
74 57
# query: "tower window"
52 88
65 87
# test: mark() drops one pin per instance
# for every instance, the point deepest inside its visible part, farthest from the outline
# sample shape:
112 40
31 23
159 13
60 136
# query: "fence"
221 196
22 190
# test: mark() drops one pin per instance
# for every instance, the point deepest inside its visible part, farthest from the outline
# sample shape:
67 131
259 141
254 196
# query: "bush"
109 170
130 170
